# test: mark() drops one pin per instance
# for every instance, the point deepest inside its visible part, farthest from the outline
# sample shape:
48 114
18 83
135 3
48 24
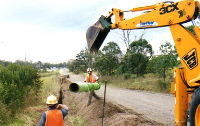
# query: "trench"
81 114
61 96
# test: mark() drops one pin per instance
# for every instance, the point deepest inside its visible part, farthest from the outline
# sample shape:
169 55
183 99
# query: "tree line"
38 65
139 59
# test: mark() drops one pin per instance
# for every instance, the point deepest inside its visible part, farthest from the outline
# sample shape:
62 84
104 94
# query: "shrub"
127 76
5 114
16 83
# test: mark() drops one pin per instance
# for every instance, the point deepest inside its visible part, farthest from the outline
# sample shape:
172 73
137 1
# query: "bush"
16 83
162 85
5 114
127 76
165 86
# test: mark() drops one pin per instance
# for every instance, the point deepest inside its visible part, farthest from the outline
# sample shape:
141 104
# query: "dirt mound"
114 115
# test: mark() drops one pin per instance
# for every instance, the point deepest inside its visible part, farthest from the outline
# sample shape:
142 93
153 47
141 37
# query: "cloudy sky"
54 30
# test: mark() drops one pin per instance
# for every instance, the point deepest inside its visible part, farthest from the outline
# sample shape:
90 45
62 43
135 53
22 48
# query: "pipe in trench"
84 87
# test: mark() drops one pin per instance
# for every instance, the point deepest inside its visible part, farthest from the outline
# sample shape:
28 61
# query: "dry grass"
28 117
148 82
50 86
76 120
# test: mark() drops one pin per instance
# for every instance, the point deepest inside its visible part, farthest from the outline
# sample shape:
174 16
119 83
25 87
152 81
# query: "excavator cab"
97 33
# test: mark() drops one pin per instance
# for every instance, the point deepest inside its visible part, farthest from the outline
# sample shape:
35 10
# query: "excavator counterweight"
97 33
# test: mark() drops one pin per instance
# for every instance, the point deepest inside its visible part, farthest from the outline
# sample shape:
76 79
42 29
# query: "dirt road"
155 106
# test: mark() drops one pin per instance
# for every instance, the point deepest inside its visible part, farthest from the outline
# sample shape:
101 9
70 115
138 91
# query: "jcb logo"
169 8
191 59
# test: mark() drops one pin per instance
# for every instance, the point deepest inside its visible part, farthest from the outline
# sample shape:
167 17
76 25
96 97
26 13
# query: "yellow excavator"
186 85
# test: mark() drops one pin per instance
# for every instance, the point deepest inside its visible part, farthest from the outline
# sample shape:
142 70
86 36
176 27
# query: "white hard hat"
89 69
51 100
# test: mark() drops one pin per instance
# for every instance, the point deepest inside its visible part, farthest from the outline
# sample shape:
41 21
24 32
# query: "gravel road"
155 106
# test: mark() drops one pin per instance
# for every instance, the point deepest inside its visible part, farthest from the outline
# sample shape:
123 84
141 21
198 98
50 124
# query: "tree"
167 60
112 49
107 60
4 63
126 37
136 58
83 59
38 65
81 63
191 29
142 47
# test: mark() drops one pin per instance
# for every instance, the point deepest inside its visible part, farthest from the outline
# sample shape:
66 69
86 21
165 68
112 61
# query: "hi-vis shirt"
53 117
91 78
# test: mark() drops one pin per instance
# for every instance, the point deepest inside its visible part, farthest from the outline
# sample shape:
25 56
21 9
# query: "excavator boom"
158 15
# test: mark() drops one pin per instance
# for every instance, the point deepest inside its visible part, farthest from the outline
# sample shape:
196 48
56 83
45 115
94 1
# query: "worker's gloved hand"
60 106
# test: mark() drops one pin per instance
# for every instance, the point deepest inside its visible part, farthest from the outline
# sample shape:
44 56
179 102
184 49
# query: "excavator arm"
172 14
161 14
158 15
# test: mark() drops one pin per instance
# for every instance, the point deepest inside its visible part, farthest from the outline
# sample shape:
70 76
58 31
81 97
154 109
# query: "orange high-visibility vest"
90 78
54 118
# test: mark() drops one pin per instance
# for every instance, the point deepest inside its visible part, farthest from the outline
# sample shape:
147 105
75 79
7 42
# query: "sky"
55 30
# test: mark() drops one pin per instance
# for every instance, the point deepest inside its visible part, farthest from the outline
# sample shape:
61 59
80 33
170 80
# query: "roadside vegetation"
148 82
39 65
19 88
23 91
137 69
74 118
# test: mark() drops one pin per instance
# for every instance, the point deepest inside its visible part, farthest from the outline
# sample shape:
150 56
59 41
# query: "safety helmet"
51 100
89 69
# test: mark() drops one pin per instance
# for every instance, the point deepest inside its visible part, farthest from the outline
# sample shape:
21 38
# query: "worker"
56 113
91 78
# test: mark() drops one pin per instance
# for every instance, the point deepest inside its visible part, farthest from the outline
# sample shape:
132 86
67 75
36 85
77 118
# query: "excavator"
186 85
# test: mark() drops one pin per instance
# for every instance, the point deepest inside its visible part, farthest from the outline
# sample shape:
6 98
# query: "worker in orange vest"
56 113
91 78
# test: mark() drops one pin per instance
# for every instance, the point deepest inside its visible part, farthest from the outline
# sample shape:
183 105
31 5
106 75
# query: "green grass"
149 82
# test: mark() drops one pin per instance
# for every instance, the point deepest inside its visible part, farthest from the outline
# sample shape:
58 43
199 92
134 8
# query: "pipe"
84 87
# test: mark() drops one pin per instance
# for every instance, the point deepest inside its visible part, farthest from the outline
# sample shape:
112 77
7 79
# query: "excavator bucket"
97 33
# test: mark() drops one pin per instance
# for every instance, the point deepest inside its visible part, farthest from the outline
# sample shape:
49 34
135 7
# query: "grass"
50 86
149 82
47 74
76 120
29 115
